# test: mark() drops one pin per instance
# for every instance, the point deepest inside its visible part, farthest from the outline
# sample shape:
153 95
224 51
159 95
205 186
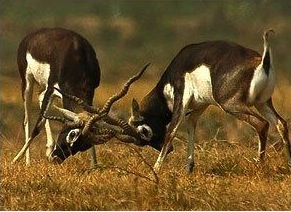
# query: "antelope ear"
68 114
135 111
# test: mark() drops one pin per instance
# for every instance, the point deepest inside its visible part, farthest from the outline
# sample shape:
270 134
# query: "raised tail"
267 56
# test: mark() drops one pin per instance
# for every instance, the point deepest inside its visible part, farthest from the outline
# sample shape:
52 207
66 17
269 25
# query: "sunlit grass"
226 175
224 179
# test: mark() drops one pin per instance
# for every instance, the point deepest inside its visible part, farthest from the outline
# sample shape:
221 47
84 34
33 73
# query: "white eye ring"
149 131
72 136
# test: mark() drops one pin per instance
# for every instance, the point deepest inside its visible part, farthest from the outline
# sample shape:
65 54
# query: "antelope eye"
72 134
145 131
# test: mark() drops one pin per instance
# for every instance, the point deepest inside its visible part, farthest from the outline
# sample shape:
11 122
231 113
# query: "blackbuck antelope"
93 125
55 58
221 73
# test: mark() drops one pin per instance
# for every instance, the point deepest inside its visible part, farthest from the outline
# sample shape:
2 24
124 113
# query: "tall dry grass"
226 176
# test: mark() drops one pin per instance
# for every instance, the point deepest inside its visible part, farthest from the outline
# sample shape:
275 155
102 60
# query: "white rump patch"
262 85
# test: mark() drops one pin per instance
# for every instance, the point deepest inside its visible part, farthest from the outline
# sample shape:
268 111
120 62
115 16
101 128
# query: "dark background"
127 34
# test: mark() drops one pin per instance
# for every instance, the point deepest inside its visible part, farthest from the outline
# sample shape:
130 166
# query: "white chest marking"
197 90
169 95
262 86
39 71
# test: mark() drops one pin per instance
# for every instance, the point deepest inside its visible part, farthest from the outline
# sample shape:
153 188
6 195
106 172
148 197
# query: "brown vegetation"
226 175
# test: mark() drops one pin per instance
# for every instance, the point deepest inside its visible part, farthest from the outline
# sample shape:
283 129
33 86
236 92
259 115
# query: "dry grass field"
126 36
226 176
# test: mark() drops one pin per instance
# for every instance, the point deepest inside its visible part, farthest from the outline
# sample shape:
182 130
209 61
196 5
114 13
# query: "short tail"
267 57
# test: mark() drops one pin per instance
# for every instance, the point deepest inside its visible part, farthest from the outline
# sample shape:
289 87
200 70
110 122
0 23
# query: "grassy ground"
226 176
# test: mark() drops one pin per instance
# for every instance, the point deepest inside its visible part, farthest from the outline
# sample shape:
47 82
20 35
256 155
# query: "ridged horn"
79 101
123 91
68 114
105 110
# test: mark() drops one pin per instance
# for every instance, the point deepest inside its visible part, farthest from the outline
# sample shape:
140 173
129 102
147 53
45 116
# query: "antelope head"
93 126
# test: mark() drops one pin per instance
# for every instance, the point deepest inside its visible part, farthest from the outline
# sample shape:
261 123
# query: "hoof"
94 166
259 160
190 167
55 160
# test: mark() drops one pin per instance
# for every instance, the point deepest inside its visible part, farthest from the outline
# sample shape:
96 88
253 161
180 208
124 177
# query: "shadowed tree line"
128 33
